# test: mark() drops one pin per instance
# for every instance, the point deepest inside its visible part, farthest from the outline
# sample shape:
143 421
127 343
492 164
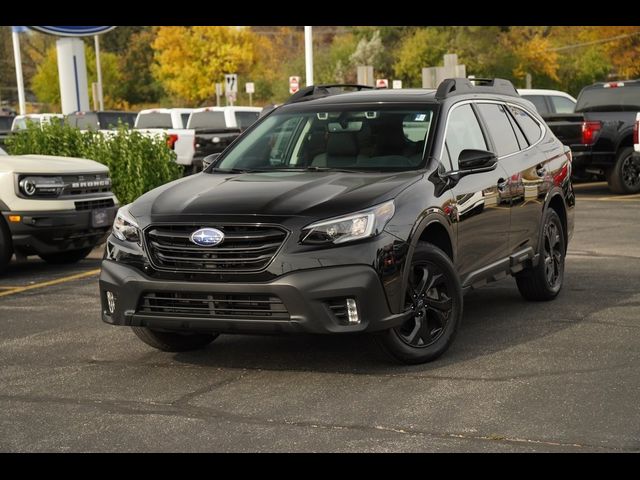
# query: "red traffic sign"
294 84
382 83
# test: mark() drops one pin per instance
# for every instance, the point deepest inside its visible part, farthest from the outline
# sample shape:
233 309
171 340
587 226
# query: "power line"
594 42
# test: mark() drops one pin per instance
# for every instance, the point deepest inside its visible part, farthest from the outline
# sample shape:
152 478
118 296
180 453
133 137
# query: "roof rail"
460 86
317 91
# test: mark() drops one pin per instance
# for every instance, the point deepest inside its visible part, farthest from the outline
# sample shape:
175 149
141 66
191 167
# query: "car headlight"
125 227
356 226
41 186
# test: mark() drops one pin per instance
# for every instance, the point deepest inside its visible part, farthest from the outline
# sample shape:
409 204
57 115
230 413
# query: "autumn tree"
190 60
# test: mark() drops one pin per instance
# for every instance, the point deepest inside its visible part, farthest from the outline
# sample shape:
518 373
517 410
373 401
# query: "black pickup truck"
601 134
211 134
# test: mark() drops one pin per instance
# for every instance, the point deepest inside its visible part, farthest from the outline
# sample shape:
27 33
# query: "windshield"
609 99
355 139
154 120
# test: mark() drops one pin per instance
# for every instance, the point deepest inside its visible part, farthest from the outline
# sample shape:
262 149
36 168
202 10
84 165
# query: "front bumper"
45 232
304 293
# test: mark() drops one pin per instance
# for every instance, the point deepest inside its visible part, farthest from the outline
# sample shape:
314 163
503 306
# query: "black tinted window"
528 125
207 120
5 122
111 120
599 98
185 119
499 127
463 132
154 120
522 141
539 102
246 119
84 121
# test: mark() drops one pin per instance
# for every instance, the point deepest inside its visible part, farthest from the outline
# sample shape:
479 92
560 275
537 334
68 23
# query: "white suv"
56 207
549 101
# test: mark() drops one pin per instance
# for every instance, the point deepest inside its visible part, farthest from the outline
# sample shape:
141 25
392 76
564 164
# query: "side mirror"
476 161
208 160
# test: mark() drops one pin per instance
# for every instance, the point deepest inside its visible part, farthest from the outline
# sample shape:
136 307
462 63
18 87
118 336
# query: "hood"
316 194
49 164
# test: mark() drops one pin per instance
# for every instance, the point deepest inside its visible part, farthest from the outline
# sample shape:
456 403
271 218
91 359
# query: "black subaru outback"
340 212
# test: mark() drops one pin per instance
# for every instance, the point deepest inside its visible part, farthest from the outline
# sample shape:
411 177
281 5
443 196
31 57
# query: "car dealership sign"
73 31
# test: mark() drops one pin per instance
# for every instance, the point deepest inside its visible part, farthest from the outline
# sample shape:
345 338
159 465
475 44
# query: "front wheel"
624 177
6 248
63 258
434 308
544 281
174 341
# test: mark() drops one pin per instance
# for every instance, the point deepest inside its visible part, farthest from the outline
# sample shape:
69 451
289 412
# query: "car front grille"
245 248
213 305
86 184
93 204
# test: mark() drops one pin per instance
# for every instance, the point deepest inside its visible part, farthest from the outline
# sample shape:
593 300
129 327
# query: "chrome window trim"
543 128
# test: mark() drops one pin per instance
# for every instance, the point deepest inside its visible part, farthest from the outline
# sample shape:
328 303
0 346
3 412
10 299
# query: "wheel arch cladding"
437 235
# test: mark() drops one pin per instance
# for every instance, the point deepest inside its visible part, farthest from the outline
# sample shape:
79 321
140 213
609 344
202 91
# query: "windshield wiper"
235 170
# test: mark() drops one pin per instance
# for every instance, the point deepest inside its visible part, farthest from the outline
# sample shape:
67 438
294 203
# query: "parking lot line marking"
581 186
623 198
50 283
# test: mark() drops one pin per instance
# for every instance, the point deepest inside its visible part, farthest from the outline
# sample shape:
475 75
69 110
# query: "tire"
544 281
6 246
624 177
65 258
174 342
434 300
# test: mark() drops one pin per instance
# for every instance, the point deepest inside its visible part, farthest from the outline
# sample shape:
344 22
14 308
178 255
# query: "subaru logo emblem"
207 237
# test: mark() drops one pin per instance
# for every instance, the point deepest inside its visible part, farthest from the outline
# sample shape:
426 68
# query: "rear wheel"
6 247
62 258
544 281
174 341
624 177
434 308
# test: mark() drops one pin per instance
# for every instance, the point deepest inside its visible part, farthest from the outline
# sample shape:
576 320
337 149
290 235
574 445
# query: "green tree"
190 60
46 85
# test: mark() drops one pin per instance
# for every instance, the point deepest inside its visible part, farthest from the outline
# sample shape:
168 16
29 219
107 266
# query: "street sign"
231 83
294 84
397 84
382 83
250 87
73 31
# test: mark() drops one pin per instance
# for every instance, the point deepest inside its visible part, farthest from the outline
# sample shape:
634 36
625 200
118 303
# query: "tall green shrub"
137 163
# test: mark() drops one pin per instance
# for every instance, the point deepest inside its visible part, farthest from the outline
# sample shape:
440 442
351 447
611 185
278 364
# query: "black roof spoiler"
460 86
318 91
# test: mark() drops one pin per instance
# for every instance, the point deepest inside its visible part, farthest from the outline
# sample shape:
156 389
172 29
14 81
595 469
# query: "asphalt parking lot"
556 376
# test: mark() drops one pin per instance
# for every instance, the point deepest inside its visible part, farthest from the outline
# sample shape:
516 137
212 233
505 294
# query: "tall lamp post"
308 54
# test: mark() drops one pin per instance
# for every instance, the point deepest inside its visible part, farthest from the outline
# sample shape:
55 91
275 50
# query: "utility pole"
99 71
308 54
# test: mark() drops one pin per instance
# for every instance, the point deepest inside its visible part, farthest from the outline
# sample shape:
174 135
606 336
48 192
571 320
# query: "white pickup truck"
56 207
171 122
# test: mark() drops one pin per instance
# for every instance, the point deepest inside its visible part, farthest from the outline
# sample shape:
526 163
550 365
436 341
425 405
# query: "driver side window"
463 132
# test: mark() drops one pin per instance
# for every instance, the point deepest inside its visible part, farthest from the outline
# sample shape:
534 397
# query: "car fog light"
111 302
352 312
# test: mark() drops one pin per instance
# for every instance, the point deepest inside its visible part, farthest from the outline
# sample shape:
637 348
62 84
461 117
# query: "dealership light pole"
99 71
308 54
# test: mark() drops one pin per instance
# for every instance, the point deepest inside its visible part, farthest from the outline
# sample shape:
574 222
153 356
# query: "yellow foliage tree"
533 52
190 60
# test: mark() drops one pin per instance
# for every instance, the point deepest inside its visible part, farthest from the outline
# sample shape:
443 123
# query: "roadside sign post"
382 83
294 84
250 88
18 62
397 84
231 87
218 93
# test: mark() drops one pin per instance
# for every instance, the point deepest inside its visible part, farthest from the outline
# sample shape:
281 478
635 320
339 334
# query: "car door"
481 212
525 166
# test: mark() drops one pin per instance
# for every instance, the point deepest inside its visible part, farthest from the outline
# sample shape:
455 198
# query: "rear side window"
463 132
562 104
499 127
111 121
185 119
539 102
154 120
529 126
207 120
84 121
